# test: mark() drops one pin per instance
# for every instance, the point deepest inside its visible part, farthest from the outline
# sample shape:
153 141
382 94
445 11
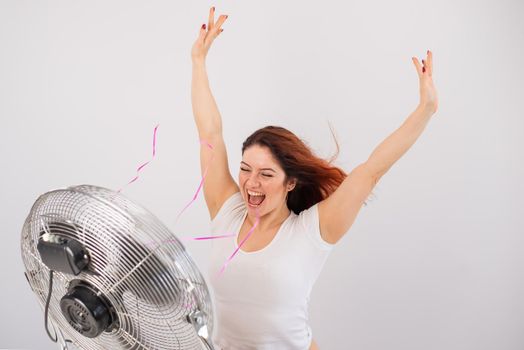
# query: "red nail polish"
213 8
204 26
423 69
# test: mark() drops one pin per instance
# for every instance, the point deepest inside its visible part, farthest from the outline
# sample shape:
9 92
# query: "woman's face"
260 173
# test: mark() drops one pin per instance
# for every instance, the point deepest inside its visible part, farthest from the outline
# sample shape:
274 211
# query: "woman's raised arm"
338 212
219 183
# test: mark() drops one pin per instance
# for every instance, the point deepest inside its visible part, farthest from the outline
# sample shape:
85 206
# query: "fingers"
220 21
211 20
211 25
427 65
202 32
213 29
430 63
417 66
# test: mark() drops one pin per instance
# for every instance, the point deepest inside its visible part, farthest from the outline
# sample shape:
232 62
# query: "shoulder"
308 220
339 211
231 207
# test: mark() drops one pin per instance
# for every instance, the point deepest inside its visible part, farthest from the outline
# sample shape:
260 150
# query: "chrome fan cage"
156 295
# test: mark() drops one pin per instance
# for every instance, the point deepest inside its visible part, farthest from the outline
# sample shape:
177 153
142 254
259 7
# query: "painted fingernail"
204 26
423 69
213 8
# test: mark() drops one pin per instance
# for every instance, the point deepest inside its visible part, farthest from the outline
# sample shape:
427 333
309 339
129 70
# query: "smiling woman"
262 299
304 178
280 183
292 205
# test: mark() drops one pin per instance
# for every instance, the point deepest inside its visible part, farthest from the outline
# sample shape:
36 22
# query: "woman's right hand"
207 36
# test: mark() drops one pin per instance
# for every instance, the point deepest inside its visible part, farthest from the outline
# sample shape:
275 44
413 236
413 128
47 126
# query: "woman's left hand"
428 93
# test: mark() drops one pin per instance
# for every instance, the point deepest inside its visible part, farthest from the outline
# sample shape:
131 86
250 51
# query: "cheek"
242 179
273 188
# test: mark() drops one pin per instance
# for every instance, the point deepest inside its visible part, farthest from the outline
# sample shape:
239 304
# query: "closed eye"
266 175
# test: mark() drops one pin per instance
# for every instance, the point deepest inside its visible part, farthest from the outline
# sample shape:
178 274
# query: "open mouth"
255 201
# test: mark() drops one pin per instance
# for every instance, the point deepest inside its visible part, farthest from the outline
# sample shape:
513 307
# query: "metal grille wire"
141 268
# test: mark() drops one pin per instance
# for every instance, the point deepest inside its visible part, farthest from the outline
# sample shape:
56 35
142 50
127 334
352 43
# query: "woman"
293 205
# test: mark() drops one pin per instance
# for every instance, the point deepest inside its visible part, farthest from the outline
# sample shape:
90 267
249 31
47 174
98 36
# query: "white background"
433 262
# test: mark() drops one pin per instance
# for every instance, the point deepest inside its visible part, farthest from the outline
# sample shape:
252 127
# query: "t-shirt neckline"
275 238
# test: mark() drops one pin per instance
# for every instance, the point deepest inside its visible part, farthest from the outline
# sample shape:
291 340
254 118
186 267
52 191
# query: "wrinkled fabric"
261 300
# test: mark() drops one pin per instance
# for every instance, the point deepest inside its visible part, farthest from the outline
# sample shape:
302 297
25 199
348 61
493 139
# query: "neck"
268 221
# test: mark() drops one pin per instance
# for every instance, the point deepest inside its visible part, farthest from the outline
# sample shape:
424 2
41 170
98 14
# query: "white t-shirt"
261 299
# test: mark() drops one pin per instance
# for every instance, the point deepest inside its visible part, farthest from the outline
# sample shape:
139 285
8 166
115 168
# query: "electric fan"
110 275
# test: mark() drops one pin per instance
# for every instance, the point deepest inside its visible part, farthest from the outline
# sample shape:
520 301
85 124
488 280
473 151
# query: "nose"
253 180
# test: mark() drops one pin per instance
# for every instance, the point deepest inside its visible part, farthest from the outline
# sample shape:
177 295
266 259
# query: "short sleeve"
227 207
309 219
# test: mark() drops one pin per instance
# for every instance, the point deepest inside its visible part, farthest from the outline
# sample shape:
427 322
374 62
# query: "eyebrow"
260 169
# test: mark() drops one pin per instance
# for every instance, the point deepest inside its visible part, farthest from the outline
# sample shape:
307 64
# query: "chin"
254 209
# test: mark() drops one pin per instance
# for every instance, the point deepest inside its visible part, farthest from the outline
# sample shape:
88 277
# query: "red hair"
316 177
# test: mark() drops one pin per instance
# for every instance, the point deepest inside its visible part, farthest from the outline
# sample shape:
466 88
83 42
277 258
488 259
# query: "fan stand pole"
209 345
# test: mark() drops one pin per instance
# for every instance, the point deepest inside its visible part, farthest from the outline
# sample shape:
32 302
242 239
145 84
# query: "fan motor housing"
87 310
62 253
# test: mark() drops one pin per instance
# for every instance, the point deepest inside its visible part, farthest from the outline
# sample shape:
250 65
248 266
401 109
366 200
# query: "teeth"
255 193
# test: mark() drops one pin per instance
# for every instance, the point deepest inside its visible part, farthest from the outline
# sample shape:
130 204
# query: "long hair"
316 177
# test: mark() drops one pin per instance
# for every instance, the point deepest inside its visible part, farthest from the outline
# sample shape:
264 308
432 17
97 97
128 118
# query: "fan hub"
86 310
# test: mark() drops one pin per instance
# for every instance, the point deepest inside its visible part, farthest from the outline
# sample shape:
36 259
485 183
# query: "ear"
291 184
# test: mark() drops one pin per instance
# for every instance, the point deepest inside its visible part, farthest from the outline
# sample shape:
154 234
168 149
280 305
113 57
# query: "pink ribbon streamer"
146 163
196 238
210 237
191 202
218 236
201 181
241 243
